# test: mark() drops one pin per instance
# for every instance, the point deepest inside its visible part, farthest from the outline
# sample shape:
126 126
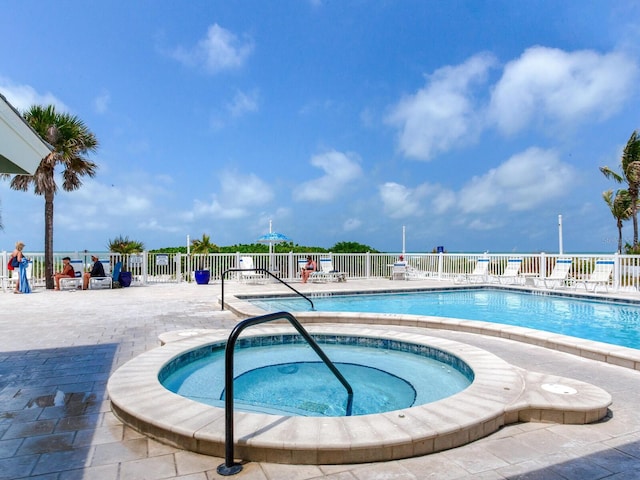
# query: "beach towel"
24 281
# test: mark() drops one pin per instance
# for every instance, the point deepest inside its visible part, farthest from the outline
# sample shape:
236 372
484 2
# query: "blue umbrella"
271 238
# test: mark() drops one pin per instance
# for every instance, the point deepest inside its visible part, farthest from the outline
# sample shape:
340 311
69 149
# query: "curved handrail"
229 467
265 271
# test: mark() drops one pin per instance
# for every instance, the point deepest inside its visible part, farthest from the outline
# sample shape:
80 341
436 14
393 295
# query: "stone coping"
500 394
593 350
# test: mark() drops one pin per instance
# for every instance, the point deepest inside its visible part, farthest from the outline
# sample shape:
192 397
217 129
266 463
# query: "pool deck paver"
58 350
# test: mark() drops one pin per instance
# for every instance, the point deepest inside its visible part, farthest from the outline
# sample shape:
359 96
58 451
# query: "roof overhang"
21 148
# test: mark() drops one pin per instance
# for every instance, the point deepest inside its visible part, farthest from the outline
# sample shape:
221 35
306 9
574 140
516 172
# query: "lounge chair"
76 282
399 271
558 275
115 275
327 273
415 274
600 276
102 282
480 273
248 273
511 272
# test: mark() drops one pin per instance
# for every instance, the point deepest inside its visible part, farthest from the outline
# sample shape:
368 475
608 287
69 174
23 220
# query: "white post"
560 234
188 245
270 248
403 239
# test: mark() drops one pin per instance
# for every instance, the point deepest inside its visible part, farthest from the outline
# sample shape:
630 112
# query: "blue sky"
472 124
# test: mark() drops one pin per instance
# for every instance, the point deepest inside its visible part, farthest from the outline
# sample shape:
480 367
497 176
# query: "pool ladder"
229 467
263 270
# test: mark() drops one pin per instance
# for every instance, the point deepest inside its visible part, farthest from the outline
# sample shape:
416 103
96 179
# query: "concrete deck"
58 350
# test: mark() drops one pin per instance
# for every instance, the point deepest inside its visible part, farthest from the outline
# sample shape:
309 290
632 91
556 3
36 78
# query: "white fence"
147 268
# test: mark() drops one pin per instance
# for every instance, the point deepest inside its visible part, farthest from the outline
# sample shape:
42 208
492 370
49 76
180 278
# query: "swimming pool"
610 322
281 375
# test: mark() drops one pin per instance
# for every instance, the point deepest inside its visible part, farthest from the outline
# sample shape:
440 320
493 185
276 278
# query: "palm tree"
203 245
124 246
71 140
630 163
620 207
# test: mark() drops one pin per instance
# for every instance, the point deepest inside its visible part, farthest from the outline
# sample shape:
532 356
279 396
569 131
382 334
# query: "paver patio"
58 349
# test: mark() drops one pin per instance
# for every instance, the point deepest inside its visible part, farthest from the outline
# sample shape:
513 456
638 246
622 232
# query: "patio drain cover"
559 388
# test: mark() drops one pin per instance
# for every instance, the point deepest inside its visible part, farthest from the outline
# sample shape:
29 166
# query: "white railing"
149 268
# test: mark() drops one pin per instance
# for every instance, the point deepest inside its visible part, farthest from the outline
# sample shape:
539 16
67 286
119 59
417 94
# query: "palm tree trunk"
635 225
48 238
619 236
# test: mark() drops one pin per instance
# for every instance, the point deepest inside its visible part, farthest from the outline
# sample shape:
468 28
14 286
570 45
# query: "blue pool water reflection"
282 375
616 323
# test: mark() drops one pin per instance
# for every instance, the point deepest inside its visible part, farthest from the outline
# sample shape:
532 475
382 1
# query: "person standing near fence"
20 262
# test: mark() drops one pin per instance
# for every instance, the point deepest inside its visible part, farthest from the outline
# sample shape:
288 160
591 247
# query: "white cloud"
98 207
563 86
442 114
400 201
101 102
351 224
239 193
24 96
340 170
220 50
526 180
243 103
154 225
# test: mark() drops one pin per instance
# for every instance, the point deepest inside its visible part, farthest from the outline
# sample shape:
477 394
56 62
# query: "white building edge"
21 148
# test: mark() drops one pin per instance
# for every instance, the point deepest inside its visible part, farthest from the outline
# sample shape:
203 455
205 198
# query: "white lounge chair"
327 272
102 282
76 282
248 273
511 272
600 276
480 273
558 275
415 274
399 271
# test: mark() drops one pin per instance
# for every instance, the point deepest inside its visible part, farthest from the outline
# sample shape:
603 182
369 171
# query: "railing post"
617 271
290 269
178 261
543 265
145 267
367 268
229 467
4 271
238 261
440 264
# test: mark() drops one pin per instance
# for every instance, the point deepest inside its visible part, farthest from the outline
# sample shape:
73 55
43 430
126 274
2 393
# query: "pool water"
610 322
289 379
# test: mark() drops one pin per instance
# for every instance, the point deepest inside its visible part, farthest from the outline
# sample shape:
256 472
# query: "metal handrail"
229 467
267 272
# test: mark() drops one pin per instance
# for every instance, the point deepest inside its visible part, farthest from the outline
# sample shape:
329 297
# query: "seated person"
97 270
67 272
308 268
